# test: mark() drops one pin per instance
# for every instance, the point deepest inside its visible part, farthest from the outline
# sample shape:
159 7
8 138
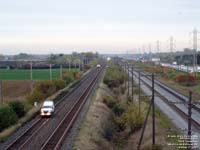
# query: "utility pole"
150 52
143 49
50 72
171 46
158 46
128 78
152 104
144 126
189 120
70 62
1 92
125 75
31 71
153 112
132 82
31 76
79 64
139 97
60 71
195 39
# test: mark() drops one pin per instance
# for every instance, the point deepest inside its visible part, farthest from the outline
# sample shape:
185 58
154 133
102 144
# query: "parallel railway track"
182 100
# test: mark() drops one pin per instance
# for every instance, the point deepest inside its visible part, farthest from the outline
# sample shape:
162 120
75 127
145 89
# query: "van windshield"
46 106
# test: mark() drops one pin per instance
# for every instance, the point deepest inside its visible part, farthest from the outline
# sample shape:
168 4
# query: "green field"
24 74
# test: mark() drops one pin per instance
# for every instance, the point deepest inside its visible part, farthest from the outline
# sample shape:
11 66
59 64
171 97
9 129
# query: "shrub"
18 107
68 77
42 90
122 89
60 84
185 79
118 109
129 99
120 122
45 87
109 130
114 76
116 91
78 76
158 70
134 119
109 101
7 117
75 73
87 67
36 96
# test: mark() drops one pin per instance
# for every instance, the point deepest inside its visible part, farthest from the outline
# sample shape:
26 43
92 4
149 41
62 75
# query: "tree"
1 57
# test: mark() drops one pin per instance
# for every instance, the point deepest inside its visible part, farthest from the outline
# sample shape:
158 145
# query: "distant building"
156 61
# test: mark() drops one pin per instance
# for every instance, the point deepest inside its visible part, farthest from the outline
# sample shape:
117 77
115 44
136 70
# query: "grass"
91 130
24 74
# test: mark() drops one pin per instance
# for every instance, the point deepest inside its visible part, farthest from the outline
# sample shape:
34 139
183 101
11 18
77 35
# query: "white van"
98 65
47 108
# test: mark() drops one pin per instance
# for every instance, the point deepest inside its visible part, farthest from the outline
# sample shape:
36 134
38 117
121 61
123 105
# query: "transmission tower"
171 48
158 46
150 51
195 39
171 44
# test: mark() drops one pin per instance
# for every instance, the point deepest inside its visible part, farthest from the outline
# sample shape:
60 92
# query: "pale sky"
106 26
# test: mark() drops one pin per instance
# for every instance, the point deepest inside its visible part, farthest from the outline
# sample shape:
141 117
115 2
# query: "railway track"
70 101
175 105
181 97
54 142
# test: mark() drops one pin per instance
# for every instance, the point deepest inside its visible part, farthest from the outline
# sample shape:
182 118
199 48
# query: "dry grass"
162 122
90 136
161 134
147 139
